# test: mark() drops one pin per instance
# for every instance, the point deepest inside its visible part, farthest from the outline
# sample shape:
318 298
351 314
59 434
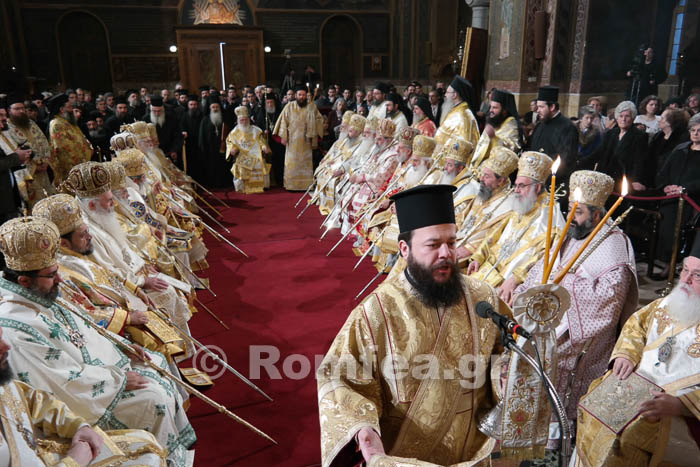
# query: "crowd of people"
100 261
459 212
101 241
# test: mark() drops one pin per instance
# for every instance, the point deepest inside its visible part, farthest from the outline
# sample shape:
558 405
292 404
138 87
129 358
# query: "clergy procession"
383 273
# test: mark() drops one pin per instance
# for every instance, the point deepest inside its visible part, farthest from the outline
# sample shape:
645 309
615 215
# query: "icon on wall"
217 12
376 63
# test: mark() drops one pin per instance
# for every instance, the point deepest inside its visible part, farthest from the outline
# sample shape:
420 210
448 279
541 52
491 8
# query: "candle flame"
578 194
317 85
556 165
307 84
624 186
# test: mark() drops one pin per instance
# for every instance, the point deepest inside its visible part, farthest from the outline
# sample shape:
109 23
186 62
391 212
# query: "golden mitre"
423 146
386 128
535 165
88 180
406 135
242 111
29 243
117 174
122 141
357 122
595 187
138 129
502 161
373 124
118 141
347 116
133 161
459 150
62 210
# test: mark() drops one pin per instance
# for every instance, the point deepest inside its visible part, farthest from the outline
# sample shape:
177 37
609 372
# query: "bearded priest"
660 343
246 144
61 354
408 372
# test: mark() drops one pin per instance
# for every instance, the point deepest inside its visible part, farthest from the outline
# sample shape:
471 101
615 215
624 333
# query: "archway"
83 50
340 51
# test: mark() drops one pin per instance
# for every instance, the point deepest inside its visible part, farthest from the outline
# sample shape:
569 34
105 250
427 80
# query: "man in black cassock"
121 116
272 112
189 124
212 148
555 135
168 129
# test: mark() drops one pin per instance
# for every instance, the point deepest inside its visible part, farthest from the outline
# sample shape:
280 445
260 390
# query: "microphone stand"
554 399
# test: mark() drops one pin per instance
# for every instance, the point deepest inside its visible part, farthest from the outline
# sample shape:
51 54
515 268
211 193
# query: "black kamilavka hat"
424 205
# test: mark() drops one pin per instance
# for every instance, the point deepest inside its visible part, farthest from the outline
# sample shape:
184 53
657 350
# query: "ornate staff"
201 346
600 240
313 184
104 333
485 218
371 245
379 198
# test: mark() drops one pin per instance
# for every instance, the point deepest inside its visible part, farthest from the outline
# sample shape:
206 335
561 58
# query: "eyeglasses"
520 186
49 276
695 275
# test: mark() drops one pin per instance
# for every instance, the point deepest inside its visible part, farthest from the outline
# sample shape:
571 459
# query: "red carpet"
289 295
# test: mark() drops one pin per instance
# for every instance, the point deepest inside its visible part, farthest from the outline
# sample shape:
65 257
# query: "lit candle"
600 225
569 219
548 239
307 87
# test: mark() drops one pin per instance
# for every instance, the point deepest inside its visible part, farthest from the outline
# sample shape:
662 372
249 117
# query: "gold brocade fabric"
300 126
376 375
642 442
514 246
506 135
250 165
69 147
458 124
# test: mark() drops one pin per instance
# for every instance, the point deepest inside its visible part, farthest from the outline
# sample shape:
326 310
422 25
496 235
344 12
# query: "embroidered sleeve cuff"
691 401
131 287
120 318
68 462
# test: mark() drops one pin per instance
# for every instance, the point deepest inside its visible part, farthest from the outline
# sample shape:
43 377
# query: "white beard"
525 205
244 127
365 145
216 118
107 221
448 105
415 174
683 307
447 178
157 120
122 198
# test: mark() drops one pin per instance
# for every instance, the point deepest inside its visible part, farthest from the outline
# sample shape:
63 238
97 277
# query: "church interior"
350 232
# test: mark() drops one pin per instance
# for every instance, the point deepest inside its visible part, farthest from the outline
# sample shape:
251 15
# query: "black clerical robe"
216 171
190 124
169 135
557 137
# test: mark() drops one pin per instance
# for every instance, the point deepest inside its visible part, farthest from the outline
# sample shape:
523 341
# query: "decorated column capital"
480 13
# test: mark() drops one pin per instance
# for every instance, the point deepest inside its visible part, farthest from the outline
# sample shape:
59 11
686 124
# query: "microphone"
485 310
